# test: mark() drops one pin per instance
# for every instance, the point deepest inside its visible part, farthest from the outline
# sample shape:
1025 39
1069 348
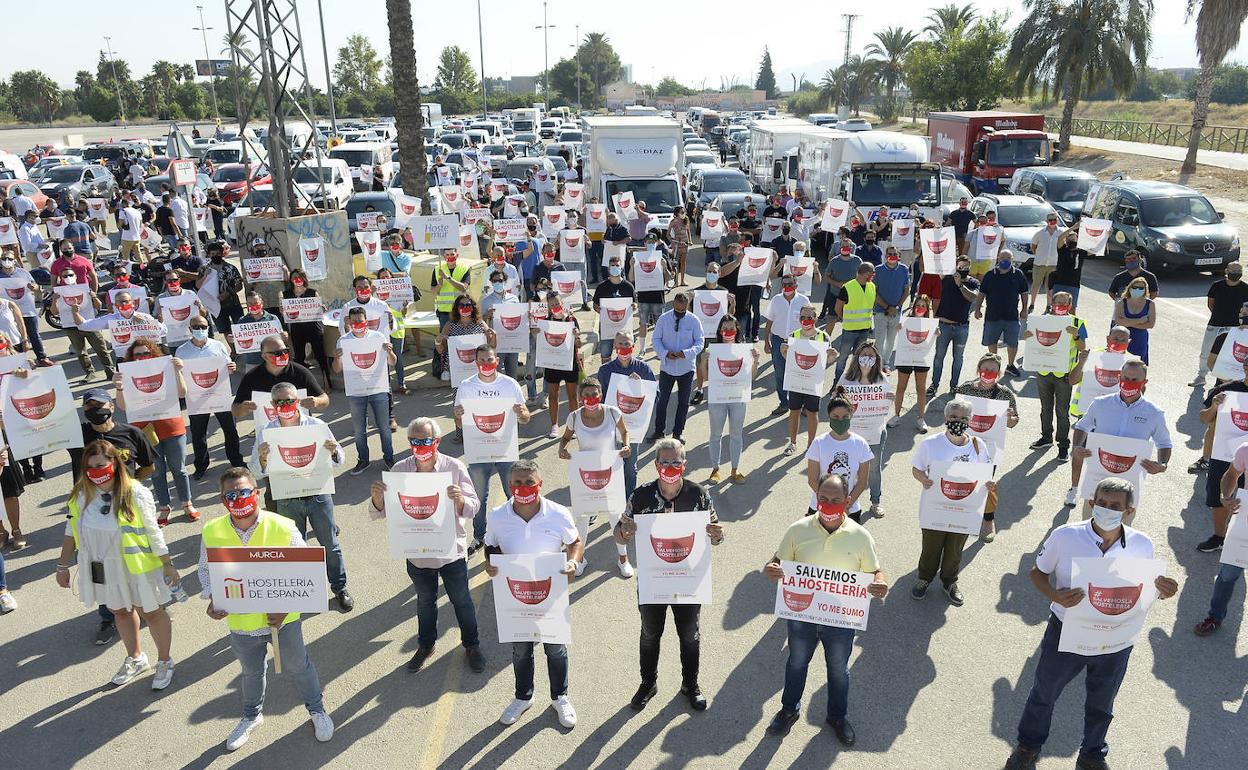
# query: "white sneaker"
164 674
920 425
1072 495
130 668
242 731
7 603
554 432
563 707
626 569
512 713
893 422
323 725
580 567
446 376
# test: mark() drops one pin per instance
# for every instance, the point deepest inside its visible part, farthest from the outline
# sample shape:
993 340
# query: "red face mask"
1061 310
525 494
288 412
173 284
425 453
464 312
123 280
807 323
671 474
624 352
845 252
488 369
591 402
920 311
1115 347
733 228
359 326
242 507
281 360
125 307
892 261
1130 389
831 513
4 345
363 295
450 261
255 309
987 376
397 250
298 281
101 476
729 336
789 291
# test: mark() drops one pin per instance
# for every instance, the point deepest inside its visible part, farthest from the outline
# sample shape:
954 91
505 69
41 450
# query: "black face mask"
532 228
1243 320
98 415
964 272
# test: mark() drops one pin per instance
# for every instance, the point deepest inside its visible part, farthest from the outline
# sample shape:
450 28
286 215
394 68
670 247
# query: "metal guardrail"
1220 138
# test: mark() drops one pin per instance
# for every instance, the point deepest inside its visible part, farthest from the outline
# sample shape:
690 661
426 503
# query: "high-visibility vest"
136 548
271 530
446 291
399 329
820 335
859 307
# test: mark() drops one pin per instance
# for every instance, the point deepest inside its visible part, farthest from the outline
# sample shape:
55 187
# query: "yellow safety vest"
820 335
398 329
271 530
446 292
136 549
859 307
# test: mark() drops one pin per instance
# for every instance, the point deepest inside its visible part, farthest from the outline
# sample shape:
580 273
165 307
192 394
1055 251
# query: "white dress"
99 539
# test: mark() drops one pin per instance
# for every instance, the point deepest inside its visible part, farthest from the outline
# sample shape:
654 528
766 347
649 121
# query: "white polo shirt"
550 529
784 313
1080 541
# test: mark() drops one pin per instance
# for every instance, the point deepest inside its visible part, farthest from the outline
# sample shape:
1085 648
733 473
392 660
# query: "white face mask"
1106 518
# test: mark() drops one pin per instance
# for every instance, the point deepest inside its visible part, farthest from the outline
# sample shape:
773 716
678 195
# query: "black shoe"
1013 371
779 410
28 476
653 437
388 463
645 692
1200 466
1091 763
1063 454
781 723
474 546
1041 443
919 589
199 475
697 397
359 468
844 731
476 659
39 475
345 602
418 660
1212 545
697 701
1022 758
954 594
931 391
106 634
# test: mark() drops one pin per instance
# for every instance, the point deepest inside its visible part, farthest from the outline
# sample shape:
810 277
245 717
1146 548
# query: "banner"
989 420
249 335
1094 235
71 296
834 216
1100 376
802 269
555 341
596 217
1231 427
270 579
175 313
98 209
1235 546
903 234
554 219
208 388
572 246
823 596
511 206
635 399
264 269
531 598
436 232
566 282
648 271
395 292
420 517
370 247
39 414
365 369
265 412
511 328
709 306
1048 347
1115 456
476 214
625 205
490 431
916 341
509 230
806 366
712 226
596 484
730 372
673 558
299 464
574 195
940 250
955 501
312 253
615 316
986 243
461 353
125 331
543 181
1229 365
498 189
150 389
771 229
8 231
1118 593
755 269
872 406
200 215
298 310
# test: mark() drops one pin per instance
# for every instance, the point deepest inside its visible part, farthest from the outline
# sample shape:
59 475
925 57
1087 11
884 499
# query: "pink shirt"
460 478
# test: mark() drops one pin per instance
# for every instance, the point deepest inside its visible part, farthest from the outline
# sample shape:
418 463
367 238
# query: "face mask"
591 402
1106 518
464 312
989 376
532 228
892 261
125 307
101 476
671 474
69 280
186 252
964 271
98 415
1115 347
525 495
807 323
397 250
255 309
624 352
831 513
173 285
733 228
123 280
1133 265
615 271
450 261
281 360
1061 310
424 453
359 326
549 260
288 412
363 295
866 362
1004 265
789 291
499 288
4 345
839 426
242 507
1130 389
1137 292
712 277
199 334
956 427
845 252
501 264
487 369
8 263
729 336
920 311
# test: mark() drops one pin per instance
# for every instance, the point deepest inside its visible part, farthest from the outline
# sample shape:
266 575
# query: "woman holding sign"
733 412
987 384
922 308
309 332
1138 313
560 312
123 561
870 396
804 403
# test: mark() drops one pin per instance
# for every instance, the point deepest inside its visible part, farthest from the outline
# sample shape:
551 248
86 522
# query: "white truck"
873 169
526 120
641 155
773 145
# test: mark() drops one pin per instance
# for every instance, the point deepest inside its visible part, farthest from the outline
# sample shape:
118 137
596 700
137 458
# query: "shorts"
648 312
563 375
1040 275
980 268
803 402
1001 331
228 316
1213 482
12 484
913 369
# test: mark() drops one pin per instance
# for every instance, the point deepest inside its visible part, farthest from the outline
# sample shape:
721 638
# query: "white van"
335 173
232 152
359 154
492 127
11 166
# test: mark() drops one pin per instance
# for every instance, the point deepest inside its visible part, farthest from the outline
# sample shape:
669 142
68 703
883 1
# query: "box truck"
526 120
773 156
642 155
982 148
872 169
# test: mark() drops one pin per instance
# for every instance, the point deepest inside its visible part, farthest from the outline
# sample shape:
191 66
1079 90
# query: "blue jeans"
777 369
684 384
1223 587
845 345
171 459
534 372
748 316
837 644
32 333
734 414
251 652
455 578
956 334
556 669
480 474
630 470
318 511
877 467
510 362
397 344
1056 670
1072 290
712 254
379 405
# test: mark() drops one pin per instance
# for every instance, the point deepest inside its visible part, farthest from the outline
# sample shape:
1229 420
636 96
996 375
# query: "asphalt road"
933 686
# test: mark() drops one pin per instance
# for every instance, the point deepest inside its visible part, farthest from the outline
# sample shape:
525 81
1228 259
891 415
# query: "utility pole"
329 82
481 50
545 28
849 31
576 54
212 75
121 103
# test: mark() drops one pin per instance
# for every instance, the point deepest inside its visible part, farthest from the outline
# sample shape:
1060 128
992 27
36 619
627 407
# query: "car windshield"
1067 189
153 183
63 174
231 174
260 199
721 183
494 149
1018 152
951 191
873 189
1176 211
385 205
660 195
699 157
570 136
310 175
1022 216
454 141
353 157
103 153
559 163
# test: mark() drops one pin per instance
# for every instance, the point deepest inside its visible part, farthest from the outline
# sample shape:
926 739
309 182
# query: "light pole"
545 28
576 54
329 84
212 76
121 104
481 53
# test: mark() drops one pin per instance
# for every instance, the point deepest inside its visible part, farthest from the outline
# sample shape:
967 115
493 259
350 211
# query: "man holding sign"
1104 537
834 542
1056 386
247 525
1005 290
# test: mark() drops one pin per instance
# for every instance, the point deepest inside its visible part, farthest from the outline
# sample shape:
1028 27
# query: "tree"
455 72
766 80
189 98
599 60
34 96
950 21
850 84
407 115
889 49
958 75
358 70
563 81
1217 34
1079 44
669 86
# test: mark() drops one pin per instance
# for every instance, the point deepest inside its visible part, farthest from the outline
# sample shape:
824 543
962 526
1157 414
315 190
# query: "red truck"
982 148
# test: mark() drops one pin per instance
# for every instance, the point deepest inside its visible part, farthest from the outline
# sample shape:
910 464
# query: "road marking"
1177 306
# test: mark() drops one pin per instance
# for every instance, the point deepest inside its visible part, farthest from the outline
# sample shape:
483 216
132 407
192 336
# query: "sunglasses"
421 441
285 401
205 328
278 352
235 495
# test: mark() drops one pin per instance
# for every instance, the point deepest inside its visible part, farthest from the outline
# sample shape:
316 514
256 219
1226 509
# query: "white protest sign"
406 207
511 328
264 269
596 483
834 216
574 195
1229 365
201 219
436 232
509 230
566 282
940 250
1048 347
17 289
916 341
1094 235
8 232
38 412
498 189
312 257
370 247
823 596
531 598
461 354
420 517
615 316
1235 546
730 372
625 205
249 334
1231 428
395 292
56 227
1118 593
74 296
208 389
903 234
543 181
635 399
365 369
98 209
150 389
511 206
490 431
673 558
709 306
986 243
452 197
572 246
612 250
989 421
1100 377
755 269
1114 456
124 332
270 580
554 219
955 501
298 310
802 269
771 229
806 366
712 226
176 312
872 406
298 463
596 217
648 271
468 246
555 341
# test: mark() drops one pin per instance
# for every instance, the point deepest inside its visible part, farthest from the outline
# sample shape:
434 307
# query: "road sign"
182 171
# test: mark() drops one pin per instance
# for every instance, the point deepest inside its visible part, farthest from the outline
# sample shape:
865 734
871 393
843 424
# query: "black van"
1174 226
1066 188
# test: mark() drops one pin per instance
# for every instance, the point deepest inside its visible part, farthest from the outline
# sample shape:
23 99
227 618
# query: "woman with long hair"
12 478
729 332
466 319
1138 313
678 231
800 403
123 562
922 308
309 333
559 311
871 396
839 451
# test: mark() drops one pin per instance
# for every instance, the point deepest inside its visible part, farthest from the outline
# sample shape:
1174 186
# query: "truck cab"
879 168
983 148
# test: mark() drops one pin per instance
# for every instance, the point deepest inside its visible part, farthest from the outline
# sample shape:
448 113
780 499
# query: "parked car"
708 184
25 187
335 174
232 179
89 180
1020 217
854 124
1064 187
203 183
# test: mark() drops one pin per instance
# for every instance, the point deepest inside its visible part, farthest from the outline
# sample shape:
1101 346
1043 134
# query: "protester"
1132 268
806 403
782 316
1004 289
649 303
559 311
219 283
987 385
677 352
1055 388
465 320
200 346
306 334
1045 244
891 282
1138 313
374 403
24 296
680 237
729 331
1219 470
961 218
1067 276
957 294
712 283
256 313
612 287
626 364
921 308
842 452
840 271
1228 575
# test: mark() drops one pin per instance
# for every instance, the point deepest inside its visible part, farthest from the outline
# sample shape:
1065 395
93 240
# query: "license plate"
1209 261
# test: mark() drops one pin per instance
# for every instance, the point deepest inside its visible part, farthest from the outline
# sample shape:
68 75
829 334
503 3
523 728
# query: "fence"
1223 138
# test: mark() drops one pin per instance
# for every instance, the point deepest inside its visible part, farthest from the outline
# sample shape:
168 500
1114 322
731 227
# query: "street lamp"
212 76
545 28
481 53
121 104
576 54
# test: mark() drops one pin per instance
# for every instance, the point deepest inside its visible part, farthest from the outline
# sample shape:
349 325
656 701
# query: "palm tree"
407 112
851 83
950 21
1077 44
832 88
599 60
235 41
889 49
1217 34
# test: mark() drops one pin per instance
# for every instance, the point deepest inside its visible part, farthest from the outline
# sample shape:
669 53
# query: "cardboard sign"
1115 456
258 269
1235 547
437 232
299 464
806 366
370 247
208 389
1231 427
1048 347
625 205
531 598
596 217
648 271
249 335
635 399
150 389
97 208
490 431
574 195
56 228
872 406
989 420
176 313
365 368
771 229
596 484
612 250
615 315
823 596
69 297
755 269
406 207
940 250
803 270
554 219
986 243
709 306
420 517
730 372
572 246
509 230
673 558
555 343
39 414
271 579
712 226
396 292
903 234
1100 376
125 331
834 216
1094 235
1229 365
510 323
312 255
461 353
1118 593
302 310
566 282
916 341
955 501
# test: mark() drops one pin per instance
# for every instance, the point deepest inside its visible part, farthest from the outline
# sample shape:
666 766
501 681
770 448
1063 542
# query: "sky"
699 44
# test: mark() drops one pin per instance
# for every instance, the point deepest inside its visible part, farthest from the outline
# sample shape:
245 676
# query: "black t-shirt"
783 246
259 380
1069 268
775 212
1235 386
1123 278
692 497
136 450
1227 301
961 220
953 306
609 290
164 221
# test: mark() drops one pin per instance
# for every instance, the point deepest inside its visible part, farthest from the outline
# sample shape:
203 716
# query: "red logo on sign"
571 241
1115 463
629 404
35 407
938 247
17 293
596 480
465 239
408 208
74 300
797 602
772 226
1093 232
1114 601
709 308
982 423
4 228
466 355
625 203
419 507
916 337
672 550
616 315
311 254
989 238
366 360
957 490
529 592
180 313
509 322
595 214
205 380
555 340
149 384
489 423
757 262
729 367
712 222
572 193
566 287
1239 419
1106 378
648 267
1048 339
253 274
835 213
369 246
797 270
1239 351
554 218
451 195
804 361
122 338
297 456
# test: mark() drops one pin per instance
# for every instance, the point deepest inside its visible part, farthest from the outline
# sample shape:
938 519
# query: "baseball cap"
97 394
